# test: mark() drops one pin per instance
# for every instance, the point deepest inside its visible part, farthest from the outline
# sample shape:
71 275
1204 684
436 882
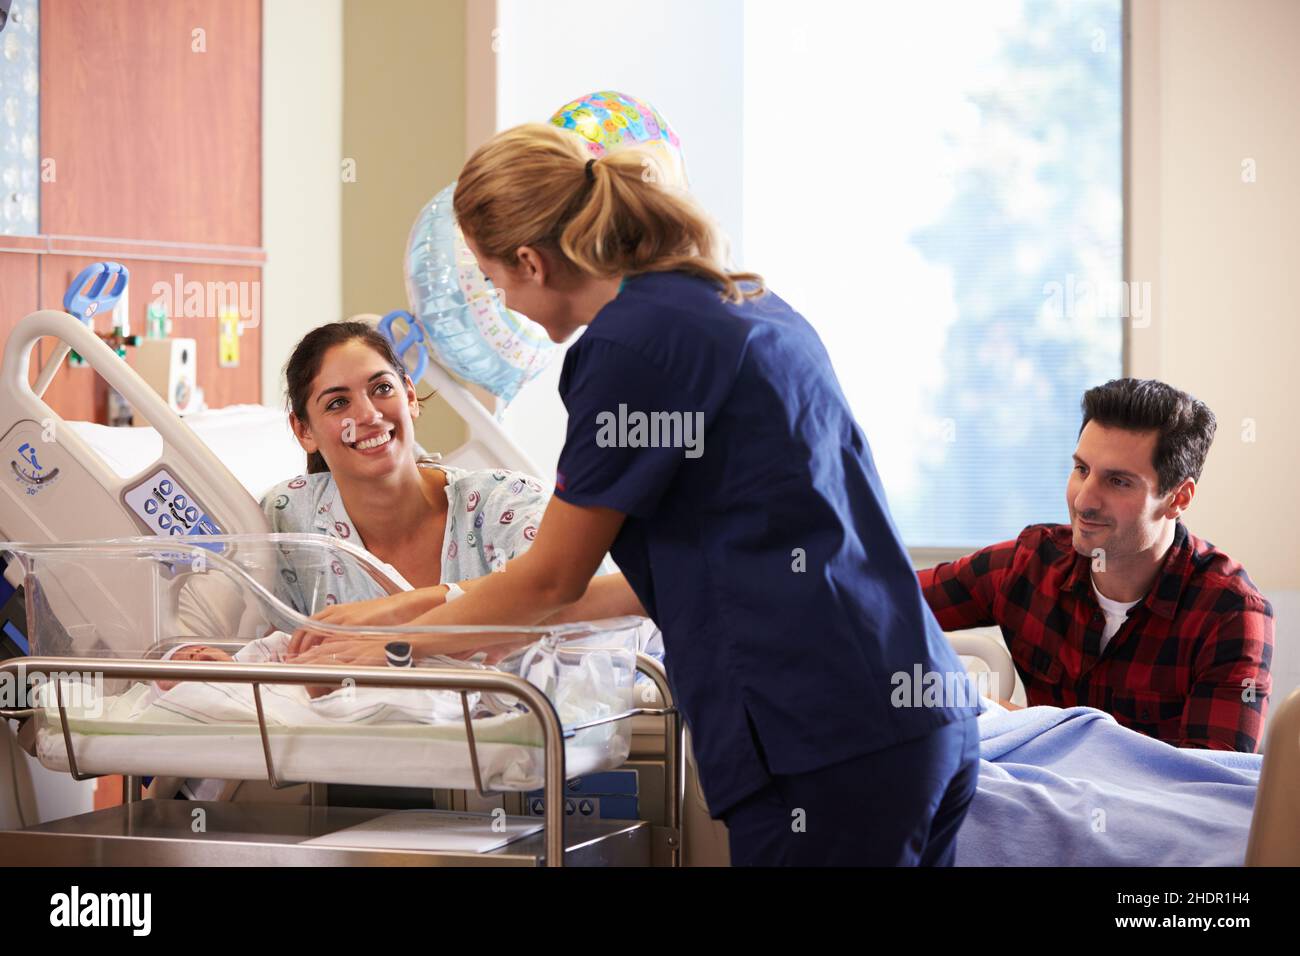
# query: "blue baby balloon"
468 329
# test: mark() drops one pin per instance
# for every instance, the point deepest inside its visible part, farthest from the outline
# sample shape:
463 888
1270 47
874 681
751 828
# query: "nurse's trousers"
901 806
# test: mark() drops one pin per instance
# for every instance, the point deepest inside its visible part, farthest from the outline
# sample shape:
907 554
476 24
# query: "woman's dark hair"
305 362
1184 424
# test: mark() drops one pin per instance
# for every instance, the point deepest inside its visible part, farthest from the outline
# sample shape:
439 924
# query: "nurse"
710 450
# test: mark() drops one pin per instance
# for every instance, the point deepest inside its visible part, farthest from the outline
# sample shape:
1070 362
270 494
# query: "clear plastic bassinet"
239 598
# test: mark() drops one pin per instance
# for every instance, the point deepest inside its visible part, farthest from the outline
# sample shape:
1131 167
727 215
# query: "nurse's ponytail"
620 215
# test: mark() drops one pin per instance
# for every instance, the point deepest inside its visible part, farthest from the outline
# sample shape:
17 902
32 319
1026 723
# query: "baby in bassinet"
419 705
267 649
273 648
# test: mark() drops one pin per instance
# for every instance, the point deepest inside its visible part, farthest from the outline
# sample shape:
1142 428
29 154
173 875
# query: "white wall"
302 132
683 56
1214 84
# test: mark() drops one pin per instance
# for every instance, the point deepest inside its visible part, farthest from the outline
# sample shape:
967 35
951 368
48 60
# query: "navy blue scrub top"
761 544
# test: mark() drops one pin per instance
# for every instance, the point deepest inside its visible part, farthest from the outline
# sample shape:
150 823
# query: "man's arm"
961 593
1229 698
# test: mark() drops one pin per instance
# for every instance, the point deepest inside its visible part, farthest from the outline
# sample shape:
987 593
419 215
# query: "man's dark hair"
1185 424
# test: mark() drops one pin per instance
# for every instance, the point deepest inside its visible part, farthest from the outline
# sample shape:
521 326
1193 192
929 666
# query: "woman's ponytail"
621 215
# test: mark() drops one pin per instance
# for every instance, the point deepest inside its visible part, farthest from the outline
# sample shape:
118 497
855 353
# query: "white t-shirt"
1116 613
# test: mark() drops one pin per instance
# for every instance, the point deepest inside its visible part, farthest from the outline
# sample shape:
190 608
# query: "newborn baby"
584 682
203 701
273 649
269 649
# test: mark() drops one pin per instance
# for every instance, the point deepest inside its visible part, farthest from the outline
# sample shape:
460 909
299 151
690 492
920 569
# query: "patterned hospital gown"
492 516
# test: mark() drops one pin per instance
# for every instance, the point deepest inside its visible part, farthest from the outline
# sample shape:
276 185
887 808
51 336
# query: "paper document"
432 830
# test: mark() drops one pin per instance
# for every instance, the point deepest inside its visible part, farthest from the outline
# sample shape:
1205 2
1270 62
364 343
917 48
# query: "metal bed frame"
30 845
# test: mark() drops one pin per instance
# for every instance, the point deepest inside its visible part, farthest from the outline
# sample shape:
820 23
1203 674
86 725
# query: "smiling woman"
348 348
352 408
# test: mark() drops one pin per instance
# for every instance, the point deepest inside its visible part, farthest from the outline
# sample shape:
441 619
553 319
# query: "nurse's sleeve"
621 406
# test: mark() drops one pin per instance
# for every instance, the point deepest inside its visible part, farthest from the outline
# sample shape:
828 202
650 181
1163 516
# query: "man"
1123 609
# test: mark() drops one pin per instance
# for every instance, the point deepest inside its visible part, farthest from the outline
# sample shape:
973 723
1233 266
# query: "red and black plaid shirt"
1190 665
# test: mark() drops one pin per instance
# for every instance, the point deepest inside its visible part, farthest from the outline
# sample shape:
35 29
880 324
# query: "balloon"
467 327
608 120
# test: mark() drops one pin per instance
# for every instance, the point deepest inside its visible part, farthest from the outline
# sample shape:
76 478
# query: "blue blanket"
1071 787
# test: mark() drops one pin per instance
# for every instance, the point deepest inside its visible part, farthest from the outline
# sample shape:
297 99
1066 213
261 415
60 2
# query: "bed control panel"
167 508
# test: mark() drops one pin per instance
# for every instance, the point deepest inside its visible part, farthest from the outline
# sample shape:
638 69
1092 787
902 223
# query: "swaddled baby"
295 704
586 687
584 691
267 649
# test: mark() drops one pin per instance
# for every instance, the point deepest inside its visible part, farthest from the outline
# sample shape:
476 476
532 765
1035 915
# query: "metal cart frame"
463 682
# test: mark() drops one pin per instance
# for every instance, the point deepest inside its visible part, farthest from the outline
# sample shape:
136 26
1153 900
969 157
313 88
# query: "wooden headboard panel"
151 151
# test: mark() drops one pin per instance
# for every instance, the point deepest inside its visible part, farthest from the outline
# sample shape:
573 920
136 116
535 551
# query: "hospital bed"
212 574
1274 832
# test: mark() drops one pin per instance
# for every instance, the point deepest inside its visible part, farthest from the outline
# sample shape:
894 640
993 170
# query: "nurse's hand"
369 649
386 611
366 651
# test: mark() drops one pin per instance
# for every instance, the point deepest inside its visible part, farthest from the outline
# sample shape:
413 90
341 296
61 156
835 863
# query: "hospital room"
954 533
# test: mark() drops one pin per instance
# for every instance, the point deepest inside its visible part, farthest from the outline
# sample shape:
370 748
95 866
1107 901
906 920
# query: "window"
937 187
19 121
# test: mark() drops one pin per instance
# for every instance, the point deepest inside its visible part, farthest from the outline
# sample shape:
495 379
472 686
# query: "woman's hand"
390 610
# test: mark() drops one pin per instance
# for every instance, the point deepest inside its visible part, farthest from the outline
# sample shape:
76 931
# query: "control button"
180 501
191 513
177 530
164 521
165 486
150 506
